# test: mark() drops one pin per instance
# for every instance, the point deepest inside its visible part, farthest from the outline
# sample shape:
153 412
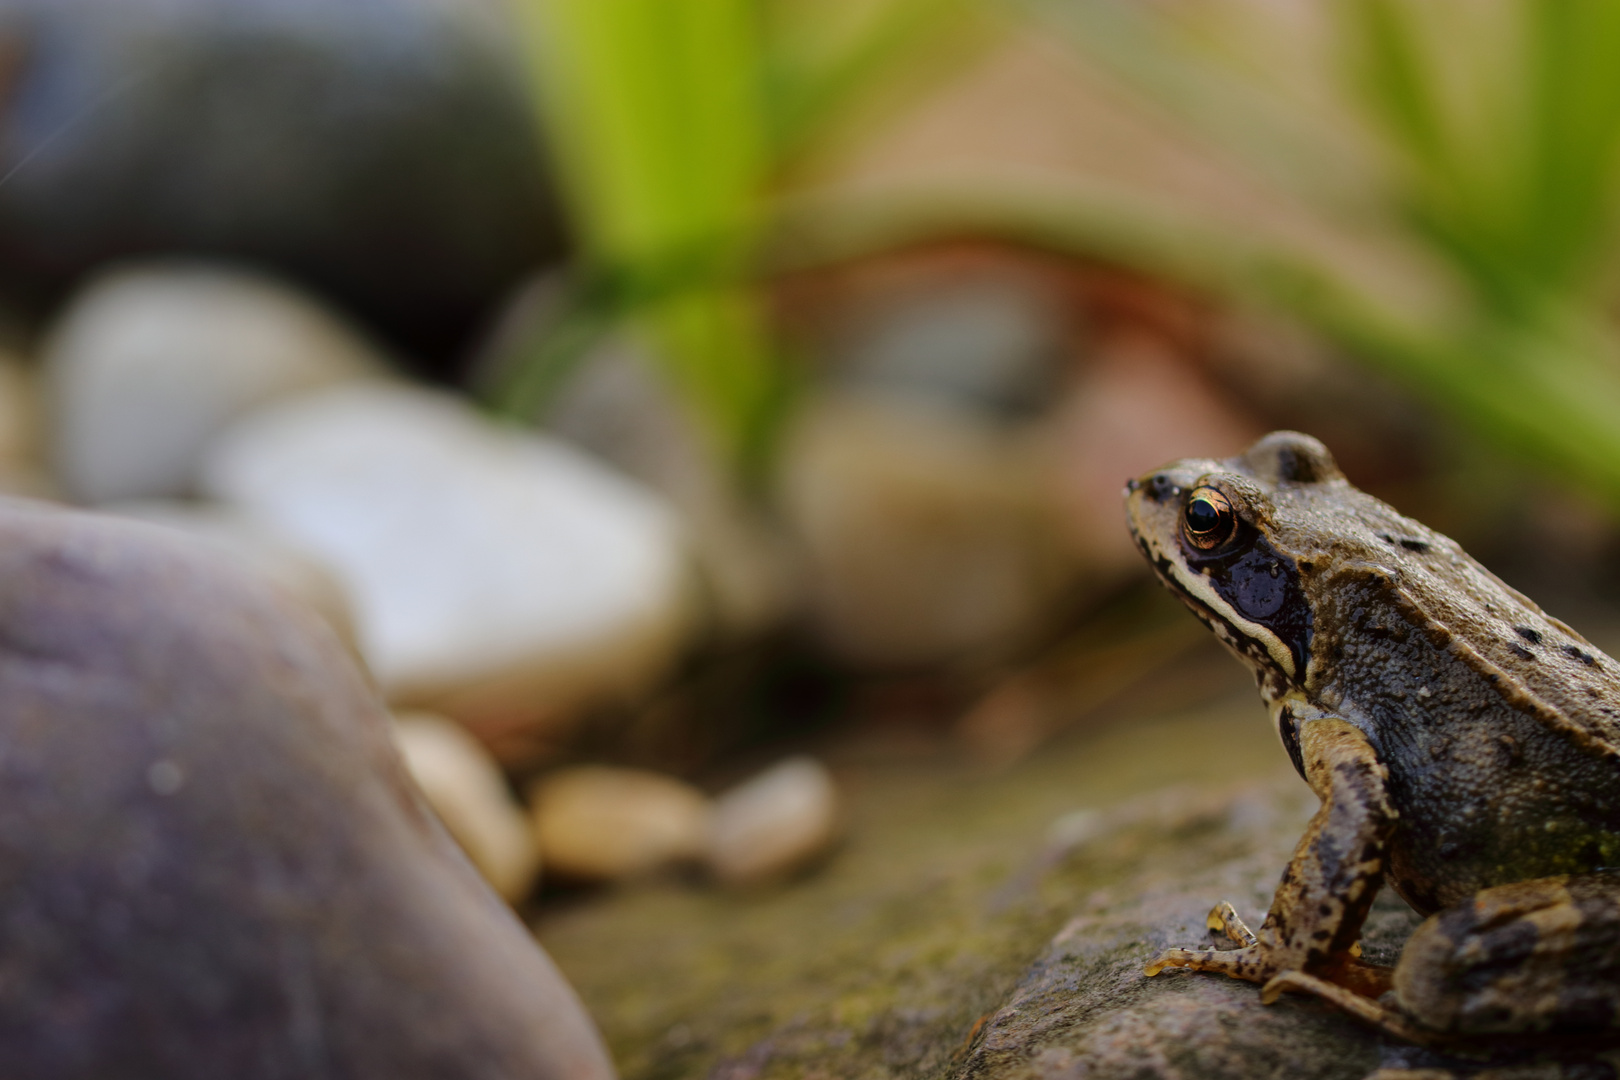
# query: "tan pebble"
598 823
774 823
465 788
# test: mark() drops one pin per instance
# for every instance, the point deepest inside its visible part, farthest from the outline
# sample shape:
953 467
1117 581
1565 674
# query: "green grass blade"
657 118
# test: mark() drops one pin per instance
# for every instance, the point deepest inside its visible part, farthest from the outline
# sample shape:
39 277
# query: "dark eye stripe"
1262 585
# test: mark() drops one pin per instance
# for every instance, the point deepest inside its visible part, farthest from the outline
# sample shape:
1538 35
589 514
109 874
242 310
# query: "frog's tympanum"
1465 746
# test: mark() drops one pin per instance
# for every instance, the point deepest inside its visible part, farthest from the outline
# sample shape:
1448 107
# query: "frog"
1464 746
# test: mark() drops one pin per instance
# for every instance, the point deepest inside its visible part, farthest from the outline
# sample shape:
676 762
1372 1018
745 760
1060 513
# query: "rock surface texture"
988 927
212 860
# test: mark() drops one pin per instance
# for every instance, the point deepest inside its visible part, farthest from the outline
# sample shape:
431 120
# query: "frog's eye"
1208 521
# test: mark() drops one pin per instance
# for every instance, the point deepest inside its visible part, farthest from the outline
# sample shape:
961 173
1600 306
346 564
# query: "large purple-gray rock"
212 863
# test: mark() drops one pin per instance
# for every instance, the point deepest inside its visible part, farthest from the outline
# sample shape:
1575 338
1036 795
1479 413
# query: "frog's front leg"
1317 913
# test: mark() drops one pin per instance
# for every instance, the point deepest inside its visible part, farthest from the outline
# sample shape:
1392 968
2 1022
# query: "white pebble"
149 363
498 577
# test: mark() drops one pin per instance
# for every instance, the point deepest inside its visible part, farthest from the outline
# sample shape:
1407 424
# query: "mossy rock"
986 926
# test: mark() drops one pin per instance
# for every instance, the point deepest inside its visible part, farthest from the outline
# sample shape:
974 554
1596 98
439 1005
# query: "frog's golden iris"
1208 520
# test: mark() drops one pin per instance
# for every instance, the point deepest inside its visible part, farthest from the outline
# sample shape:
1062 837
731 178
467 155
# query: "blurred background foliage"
1467 152
673 125
1430 185
875 302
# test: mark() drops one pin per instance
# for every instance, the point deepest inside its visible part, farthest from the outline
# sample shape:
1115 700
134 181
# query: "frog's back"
1500 726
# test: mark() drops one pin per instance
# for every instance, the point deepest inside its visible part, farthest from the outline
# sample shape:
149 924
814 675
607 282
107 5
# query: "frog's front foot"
1258 961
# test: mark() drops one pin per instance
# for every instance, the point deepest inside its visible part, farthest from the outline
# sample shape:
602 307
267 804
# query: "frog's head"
1225 537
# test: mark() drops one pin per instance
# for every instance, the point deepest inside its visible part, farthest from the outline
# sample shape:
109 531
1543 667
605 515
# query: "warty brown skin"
1465 745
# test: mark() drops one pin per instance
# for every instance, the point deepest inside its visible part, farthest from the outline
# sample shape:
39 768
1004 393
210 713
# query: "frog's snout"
1131 485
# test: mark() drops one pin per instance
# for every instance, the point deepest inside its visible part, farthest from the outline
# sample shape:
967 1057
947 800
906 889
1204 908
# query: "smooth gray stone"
212 863
384 153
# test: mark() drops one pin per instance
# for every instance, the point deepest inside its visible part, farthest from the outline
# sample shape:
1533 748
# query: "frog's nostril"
1131 485
1161 489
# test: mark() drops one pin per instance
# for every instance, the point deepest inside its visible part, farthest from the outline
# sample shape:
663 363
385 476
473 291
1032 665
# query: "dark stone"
382 152
211 860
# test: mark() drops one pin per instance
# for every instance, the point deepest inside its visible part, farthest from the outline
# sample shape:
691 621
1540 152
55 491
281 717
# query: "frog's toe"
1249 963
1171 958
1224 917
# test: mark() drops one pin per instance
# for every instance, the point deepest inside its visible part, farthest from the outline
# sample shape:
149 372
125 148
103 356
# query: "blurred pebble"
464 785
598 823
918 484
498 577
616 405
773 824
289 567
928 532
148 364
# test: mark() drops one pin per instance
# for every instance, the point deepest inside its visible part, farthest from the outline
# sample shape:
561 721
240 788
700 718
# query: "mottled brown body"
1503 767
1465 745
